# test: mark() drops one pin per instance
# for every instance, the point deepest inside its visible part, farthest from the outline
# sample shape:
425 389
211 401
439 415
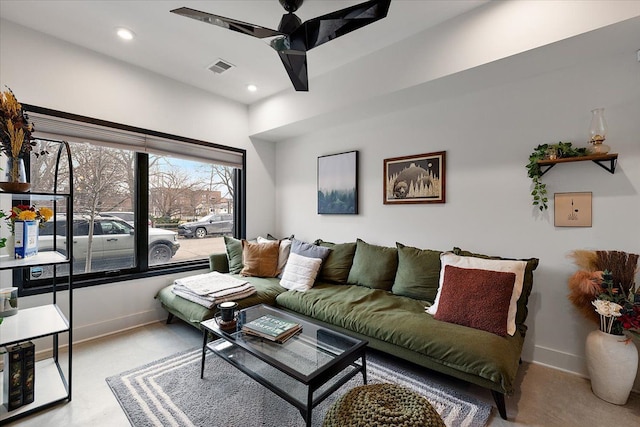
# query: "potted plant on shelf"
23 221
24 218
534 171
605 292
15 136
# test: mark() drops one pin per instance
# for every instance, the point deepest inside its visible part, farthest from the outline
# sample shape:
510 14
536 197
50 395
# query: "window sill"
119 277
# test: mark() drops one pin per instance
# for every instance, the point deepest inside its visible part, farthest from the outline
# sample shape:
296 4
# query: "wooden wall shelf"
605 161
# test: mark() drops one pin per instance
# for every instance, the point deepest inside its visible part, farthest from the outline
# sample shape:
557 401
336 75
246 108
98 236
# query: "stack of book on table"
271 328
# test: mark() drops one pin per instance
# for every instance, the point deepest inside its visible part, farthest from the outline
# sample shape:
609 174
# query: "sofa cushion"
401 322
336 267
270 237
233 248
516 267
260 259
418 273
283 254
527 284
476 298
309 250
373 266
300 272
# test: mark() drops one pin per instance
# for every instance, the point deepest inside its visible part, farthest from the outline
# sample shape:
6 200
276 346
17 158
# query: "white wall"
488 134
496 30
51 73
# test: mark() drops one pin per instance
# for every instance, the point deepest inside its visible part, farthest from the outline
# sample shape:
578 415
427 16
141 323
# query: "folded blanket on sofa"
212 288
209 283
209 301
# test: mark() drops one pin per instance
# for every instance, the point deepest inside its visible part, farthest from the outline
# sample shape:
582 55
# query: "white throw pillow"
516 267
300 272
283 255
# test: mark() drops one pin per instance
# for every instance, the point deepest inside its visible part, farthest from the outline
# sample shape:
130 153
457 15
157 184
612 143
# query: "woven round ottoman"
377 405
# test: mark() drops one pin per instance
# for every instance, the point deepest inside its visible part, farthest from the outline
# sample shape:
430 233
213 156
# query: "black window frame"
27 286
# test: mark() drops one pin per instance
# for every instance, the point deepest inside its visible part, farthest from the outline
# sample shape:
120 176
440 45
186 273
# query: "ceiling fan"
294 38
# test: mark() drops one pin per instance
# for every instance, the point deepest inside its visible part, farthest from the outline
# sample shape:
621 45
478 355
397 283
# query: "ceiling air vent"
220 66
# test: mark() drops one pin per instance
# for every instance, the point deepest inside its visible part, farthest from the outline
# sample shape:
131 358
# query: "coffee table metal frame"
336 353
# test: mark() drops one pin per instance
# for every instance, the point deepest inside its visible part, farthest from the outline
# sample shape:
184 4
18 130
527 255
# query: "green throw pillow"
373 266
234 254
337 265
418 273
527 284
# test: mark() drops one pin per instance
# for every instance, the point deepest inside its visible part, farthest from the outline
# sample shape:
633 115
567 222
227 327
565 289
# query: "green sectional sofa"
380 294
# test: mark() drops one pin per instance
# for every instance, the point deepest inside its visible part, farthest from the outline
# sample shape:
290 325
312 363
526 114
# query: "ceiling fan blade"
322 29
230 24
295 62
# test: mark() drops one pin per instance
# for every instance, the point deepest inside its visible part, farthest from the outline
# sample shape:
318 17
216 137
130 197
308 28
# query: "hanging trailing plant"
562 150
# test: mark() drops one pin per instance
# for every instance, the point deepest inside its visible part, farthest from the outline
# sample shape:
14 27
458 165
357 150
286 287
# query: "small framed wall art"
338 183
572 209
415 179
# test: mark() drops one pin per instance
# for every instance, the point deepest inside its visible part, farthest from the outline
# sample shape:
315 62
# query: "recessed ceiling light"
124 33
252 88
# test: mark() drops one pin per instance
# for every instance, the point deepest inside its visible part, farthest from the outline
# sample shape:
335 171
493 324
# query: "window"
194 199
143 201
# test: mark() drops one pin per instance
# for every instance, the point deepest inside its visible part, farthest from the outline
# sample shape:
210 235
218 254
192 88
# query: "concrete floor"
545 397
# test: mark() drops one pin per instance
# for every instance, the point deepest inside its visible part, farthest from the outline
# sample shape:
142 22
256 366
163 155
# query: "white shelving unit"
53 374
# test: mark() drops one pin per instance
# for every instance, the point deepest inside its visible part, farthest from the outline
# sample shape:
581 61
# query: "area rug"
169 392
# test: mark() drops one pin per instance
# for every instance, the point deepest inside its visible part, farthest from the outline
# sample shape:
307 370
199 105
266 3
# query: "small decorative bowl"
15 187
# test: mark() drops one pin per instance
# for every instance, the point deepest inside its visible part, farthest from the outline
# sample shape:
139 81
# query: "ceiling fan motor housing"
291 5
289 23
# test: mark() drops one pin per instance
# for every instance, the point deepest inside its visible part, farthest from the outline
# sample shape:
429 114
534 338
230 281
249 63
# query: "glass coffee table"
304 370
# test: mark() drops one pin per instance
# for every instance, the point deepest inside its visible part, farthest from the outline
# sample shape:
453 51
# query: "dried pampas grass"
586 260
584 286
622 265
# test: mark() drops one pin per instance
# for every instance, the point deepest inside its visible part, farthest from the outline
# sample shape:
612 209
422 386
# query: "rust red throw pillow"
476 298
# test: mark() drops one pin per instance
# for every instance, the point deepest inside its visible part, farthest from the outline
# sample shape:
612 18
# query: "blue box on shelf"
26 238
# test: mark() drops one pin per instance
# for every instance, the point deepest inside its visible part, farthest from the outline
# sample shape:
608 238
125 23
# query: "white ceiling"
182 48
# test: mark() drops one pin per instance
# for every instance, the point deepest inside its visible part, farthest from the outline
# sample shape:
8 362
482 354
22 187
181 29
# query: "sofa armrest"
219 263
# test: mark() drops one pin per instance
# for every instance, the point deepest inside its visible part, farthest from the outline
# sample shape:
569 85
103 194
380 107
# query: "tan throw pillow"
476 298
283 256
260 259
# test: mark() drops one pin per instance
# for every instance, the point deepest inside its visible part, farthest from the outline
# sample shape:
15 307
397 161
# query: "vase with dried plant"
17 143
606 282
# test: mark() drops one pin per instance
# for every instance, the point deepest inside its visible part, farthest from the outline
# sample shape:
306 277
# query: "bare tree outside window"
100 181
181 192
195 199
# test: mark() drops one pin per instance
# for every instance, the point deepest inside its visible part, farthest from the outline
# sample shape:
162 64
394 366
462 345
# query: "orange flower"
29 213
27 216
46 213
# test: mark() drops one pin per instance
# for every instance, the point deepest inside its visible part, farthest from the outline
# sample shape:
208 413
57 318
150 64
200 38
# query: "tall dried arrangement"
607 276
15 129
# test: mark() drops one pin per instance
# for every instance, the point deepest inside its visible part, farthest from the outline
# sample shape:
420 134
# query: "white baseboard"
566 362
102 329
116 325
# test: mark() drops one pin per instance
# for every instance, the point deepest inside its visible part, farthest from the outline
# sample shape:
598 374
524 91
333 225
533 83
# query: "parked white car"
129 217
113 243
